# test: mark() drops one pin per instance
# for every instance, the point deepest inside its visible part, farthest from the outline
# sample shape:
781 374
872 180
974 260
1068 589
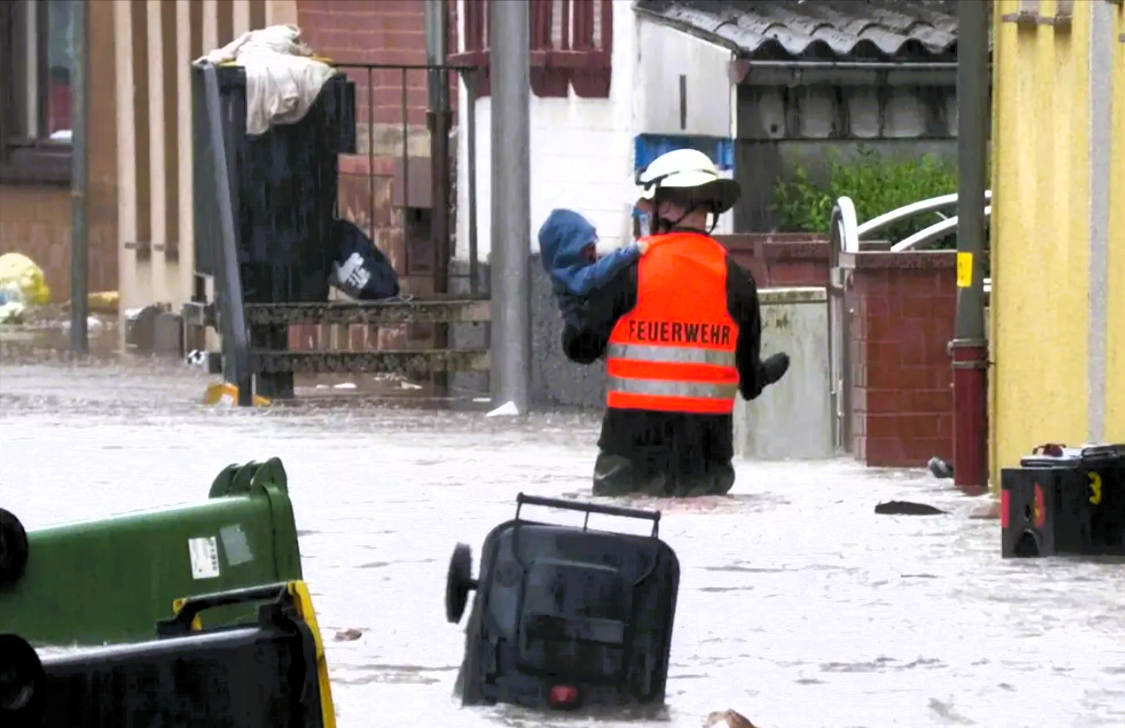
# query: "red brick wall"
363 31
781 259
902 396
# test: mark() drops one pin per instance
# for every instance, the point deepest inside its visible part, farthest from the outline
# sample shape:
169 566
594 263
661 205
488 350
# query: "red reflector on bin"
564 696
1005 507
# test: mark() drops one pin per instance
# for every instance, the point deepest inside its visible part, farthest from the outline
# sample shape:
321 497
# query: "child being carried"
567 243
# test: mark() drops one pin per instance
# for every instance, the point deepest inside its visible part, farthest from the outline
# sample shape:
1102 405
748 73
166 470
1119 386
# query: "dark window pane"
59 62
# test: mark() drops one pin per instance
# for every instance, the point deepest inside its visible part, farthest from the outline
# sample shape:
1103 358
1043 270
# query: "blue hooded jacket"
562 239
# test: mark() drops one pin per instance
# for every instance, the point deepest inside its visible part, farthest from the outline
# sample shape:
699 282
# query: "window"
35 55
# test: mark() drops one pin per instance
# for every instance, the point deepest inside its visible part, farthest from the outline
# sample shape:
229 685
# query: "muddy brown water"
798 606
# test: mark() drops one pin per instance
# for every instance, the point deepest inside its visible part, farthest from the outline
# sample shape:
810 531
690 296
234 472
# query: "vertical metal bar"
509 41
969 348
405 171
439 120
470 79
232 316
371 153
79 238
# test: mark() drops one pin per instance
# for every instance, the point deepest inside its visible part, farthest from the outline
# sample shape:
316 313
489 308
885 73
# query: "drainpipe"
79 238
969 348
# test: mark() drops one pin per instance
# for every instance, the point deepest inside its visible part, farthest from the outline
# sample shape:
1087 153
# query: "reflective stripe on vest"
669 388
671 354
675 351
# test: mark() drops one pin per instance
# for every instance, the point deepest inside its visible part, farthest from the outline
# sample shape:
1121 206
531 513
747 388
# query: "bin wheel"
21 674
459 583
13 549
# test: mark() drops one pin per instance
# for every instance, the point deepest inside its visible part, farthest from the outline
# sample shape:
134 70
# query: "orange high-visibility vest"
675 351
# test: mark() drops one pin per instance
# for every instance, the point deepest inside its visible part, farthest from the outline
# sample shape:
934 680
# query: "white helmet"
689 169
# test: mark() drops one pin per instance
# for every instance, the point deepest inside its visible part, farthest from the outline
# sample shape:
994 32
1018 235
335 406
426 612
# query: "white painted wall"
582 149
666 54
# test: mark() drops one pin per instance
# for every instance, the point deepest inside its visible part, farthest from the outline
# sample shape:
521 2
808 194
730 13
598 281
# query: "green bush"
874 184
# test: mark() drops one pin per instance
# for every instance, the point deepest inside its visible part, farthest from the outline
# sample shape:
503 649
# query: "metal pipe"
232 315
404 106
470 79
439 120
969 347
510 65
934 204
934 232
79 229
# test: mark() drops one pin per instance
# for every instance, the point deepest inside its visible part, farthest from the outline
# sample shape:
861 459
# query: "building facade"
139 186
1058 226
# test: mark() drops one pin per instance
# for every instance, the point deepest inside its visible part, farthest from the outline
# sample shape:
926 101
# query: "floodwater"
798 606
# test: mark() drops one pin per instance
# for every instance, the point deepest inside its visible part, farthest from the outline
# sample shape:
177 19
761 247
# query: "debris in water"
906 508
941 468
349 635
727 719
508 409
345 385
227 394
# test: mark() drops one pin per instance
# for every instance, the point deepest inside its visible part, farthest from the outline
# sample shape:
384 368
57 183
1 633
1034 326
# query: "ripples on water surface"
798 606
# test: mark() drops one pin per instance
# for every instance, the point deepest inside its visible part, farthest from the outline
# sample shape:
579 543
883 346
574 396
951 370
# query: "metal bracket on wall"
143 249
1026 16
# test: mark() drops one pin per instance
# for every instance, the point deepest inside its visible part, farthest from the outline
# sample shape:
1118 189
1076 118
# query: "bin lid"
1062 457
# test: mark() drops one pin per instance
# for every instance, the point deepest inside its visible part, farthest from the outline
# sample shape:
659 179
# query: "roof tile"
818 29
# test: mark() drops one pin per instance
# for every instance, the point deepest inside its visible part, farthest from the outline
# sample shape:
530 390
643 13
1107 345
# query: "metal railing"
385 139
399 218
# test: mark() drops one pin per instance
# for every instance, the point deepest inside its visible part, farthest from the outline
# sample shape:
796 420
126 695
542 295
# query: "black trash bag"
359 269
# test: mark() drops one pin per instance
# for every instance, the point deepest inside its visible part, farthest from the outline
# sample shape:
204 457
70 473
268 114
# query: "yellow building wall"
1115 336
1040 234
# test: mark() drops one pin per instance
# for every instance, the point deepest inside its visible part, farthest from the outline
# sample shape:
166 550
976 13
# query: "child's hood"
562 239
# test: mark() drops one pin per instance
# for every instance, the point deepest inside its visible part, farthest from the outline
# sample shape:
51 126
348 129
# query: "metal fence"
401 188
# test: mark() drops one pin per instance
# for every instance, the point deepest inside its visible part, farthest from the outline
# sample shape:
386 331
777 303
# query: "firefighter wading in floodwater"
681 333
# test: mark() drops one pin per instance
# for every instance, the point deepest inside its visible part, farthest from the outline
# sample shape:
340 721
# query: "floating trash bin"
110 580
269 671
566 616
1064 500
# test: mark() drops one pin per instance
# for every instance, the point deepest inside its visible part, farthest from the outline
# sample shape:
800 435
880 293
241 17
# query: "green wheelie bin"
110 580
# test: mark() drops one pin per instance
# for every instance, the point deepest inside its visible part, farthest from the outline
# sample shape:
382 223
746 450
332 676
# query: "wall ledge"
801 294
900 260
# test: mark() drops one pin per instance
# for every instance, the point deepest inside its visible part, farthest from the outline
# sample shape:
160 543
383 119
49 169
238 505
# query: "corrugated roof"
818 29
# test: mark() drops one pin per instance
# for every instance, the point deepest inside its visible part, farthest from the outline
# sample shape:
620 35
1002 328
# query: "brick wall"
901 377
781 259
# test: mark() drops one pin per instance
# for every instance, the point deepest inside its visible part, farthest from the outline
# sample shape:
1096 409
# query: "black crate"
1071 502
566 616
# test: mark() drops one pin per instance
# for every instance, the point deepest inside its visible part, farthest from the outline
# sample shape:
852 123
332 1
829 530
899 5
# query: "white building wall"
666 54
582 150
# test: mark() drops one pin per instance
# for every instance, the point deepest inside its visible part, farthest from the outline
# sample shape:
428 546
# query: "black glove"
774 368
